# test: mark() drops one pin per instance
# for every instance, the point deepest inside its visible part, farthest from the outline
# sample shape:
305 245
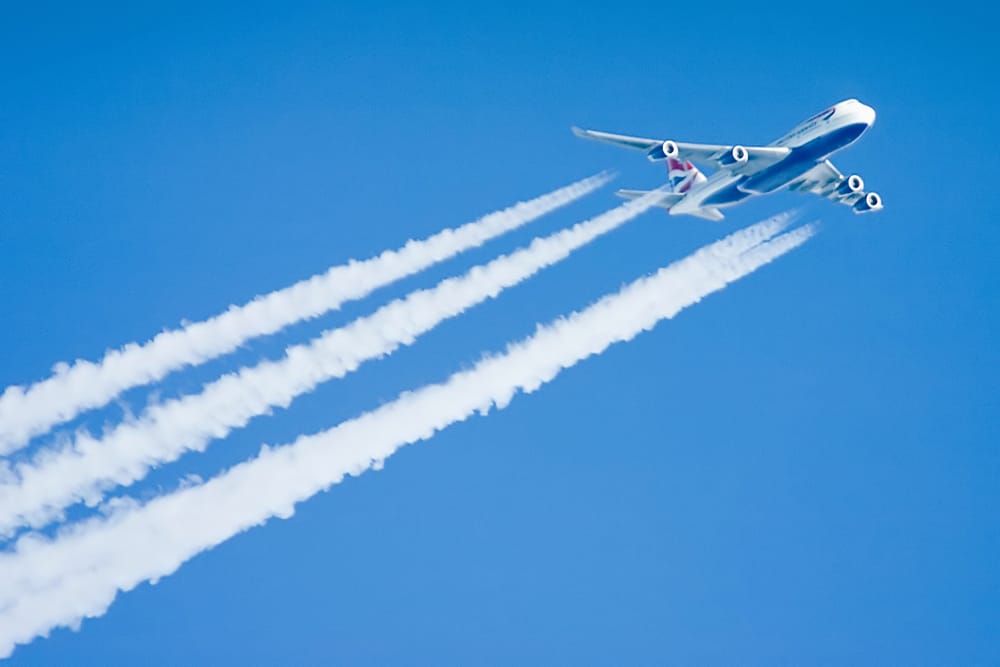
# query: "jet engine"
870 202
851 185
735 155
668 149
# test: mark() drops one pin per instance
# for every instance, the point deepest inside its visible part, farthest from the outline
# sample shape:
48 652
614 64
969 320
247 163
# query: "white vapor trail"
83 385
46 583
33 493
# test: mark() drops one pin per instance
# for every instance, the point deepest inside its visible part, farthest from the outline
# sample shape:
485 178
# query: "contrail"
46 583
83 385
33 493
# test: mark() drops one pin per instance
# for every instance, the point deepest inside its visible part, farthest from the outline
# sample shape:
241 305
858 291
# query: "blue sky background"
802 469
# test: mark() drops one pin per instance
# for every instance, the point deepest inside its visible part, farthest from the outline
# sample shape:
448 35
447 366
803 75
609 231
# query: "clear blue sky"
802 469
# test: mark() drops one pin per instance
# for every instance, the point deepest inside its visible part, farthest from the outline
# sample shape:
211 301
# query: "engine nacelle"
735 155
668 149
852 185
870 202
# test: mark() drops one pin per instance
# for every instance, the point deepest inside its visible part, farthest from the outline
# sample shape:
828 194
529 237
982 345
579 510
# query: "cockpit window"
823 115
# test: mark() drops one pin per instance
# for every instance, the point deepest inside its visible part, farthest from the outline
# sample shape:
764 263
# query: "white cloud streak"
34 493
28 411
47 583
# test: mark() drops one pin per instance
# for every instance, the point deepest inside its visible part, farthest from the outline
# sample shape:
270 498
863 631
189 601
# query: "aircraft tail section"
667 201
682 174
712 214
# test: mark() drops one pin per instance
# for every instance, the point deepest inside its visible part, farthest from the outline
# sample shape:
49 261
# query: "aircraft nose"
866 113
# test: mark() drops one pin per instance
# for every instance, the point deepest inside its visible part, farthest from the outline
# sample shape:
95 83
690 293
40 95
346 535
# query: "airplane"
797 161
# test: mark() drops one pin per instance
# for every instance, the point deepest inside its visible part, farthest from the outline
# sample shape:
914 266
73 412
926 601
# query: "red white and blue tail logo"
682 175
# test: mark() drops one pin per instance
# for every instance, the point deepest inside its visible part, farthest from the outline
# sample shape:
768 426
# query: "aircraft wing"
719 155
825 180
638 143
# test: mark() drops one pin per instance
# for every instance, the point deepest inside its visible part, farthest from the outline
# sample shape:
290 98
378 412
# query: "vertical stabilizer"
682 175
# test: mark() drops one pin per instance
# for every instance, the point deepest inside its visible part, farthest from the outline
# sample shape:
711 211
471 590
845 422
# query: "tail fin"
682 175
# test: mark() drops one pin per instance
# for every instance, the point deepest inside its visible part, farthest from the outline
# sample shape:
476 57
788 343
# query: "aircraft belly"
776 177
801 160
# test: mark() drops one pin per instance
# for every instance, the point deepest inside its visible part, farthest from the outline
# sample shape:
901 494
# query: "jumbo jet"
797 161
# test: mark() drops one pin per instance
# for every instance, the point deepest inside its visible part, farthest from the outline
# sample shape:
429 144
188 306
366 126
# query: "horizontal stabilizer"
667 201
